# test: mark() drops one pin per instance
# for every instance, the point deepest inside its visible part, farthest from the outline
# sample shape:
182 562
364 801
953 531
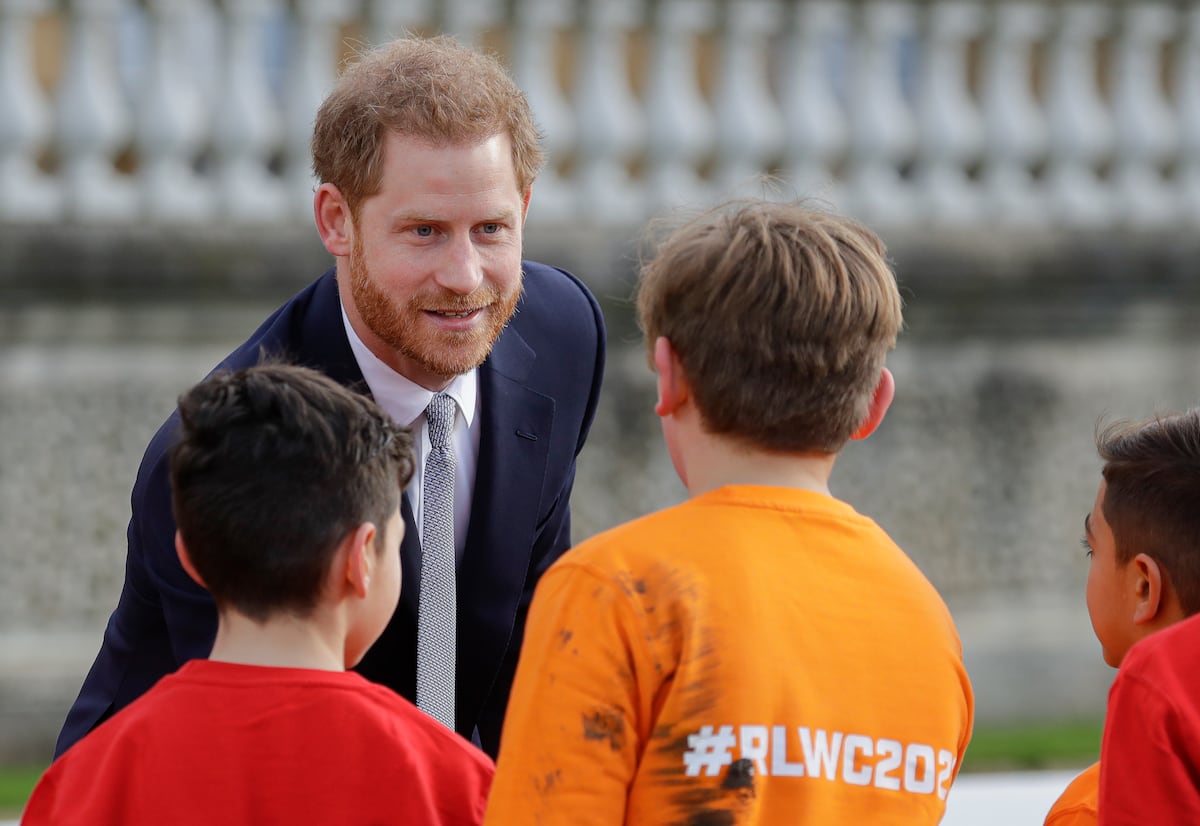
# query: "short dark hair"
1152 495
275 464
781 315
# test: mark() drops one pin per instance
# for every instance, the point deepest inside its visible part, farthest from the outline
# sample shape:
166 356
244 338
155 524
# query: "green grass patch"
16 783
1031 746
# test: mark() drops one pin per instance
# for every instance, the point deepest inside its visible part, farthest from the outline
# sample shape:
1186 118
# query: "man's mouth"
456 313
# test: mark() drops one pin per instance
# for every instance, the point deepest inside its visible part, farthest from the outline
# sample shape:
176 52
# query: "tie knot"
440 417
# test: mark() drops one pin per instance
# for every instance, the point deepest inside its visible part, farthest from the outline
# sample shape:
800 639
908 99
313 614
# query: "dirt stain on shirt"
714 817
739 775
605 724
547 782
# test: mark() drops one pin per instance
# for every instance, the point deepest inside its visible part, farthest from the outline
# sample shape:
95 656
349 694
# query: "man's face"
1110 591
435 263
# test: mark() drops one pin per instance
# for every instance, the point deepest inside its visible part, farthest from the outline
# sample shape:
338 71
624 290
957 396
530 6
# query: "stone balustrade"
1081 115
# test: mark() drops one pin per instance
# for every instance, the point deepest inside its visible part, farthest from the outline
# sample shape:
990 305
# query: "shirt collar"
403 399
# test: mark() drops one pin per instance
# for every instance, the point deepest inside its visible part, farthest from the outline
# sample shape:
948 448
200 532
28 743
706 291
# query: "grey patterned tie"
436 615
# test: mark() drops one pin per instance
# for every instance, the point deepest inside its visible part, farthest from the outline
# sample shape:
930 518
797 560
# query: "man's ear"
1150 589
357 557
671 381
334 223
185 560
525 203
881 400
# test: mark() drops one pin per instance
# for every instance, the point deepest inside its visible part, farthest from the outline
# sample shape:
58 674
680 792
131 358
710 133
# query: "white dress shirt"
405 401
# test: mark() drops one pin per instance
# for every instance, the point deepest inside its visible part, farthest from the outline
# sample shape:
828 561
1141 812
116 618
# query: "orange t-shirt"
753 655
1077 805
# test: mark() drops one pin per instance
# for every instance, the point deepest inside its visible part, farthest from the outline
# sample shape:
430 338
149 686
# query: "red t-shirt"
222 743
1150 755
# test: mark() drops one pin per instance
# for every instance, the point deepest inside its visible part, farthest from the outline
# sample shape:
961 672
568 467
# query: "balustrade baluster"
948 120
826 98
680 128
93 117
1146 135
749 123
814 120
1081 131
312 70
389 19
172 119
26 193
1187 107
248 128
466 20
882 137
609 120
536 24
1015 135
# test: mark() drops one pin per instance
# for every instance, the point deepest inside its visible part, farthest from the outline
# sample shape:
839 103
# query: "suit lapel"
513 449
410 562
514 445
321 342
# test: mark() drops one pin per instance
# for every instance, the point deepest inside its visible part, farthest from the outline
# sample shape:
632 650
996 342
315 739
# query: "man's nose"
462 271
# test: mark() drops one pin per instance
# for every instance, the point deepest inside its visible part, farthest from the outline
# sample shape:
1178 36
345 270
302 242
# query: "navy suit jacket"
538 389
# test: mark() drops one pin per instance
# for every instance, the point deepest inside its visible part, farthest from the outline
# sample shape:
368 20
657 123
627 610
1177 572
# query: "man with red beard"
426 154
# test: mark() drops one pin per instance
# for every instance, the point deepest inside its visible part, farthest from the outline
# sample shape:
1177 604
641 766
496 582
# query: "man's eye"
1086 545
424 231
490 229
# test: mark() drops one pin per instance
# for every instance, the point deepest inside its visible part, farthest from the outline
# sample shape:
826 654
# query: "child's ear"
186 560
672 384
357 558
332 215
881 400
1149 584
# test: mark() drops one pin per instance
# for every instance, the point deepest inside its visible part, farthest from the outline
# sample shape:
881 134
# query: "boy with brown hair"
760 653
286 491
1143 541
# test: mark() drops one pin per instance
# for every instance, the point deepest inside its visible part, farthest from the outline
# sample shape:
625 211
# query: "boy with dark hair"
286 491
1143 540
760 653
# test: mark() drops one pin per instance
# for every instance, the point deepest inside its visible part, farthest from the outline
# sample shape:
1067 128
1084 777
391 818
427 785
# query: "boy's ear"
186 560
332 215
357 559
881 400
1149 584
672 384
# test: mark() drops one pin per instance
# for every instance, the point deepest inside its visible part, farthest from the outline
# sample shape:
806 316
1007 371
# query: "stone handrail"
912 115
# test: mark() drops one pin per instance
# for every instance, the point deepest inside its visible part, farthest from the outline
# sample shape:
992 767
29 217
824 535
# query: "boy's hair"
781 316
1152 495
434 89
274 466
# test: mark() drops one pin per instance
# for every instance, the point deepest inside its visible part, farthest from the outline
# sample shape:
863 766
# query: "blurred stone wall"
983 470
